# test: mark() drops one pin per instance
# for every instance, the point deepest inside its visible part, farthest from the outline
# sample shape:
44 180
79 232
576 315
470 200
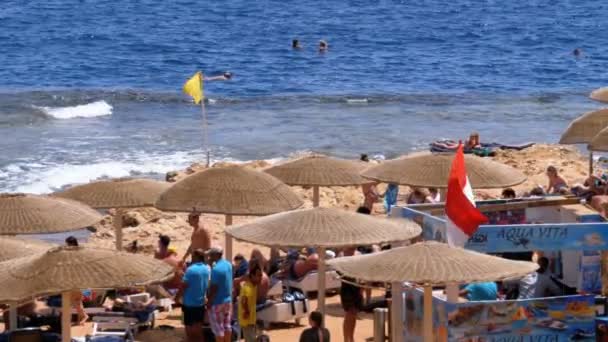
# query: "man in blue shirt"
480 291
193 290
220 296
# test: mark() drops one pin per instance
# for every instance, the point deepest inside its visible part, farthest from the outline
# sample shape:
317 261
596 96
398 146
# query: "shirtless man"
200 236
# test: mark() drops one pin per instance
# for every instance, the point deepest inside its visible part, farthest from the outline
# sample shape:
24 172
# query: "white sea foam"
37 178
22 177
89 110
357 101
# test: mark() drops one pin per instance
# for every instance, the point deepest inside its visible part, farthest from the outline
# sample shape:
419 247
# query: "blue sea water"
92 88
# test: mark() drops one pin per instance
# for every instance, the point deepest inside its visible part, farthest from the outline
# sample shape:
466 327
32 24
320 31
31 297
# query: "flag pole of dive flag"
463 217
195 88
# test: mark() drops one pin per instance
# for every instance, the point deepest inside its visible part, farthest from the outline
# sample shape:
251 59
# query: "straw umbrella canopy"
599 142
116 193
319 170
231 190
430 263
323 228
34 214
600 95
583 129
66 269
12 248
433 170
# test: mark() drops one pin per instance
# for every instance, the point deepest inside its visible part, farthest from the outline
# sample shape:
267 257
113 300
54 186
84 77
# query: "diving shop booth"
571 235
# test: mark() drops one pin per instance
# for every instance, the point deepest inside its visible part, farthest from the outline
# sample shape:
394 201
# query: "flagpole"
204 113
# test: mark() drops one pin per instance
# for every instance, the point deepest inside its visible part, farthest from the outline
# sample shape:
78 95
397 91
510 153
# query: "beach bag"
289 298
299 296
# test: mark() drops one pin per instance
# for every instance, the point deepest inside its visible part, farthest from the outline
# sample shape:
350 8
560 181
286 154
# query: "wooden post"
66 317
443 194
13 317
315 196
228 247
321 281
397 312
118 229
428 314
590 163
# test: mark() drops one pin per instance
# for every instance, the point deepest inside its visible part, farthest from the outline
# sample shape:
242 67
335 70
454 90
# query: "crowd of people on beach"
232 292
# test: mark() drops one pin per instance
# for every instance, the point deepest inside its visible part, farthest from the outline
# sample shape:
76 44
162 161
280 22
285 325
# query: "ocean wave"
89 110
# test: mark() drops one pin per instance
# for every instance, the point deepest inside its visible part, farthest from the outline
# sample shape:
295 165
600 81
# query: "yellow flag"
194 87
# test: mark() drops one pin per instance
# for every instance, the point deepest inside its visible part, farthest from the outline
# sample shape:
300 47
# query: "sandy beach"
145 224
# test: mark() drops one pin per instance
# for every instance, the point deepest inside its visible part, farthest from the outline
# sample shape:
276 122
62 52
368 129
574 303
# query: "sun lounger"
308 283
282 312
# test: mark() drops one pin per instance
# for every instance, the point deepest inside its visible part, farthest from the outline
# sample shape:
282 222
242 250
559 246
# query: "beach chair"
308 283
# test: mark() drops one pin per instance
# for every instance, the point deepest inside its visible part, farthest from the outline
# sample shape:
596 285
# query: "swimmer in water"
223 77
323 46
577 52
295 44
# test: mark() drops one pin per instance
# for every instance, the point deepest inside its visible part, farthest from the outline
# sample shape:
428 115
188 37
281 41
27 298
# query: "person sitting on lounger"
163 247
418 196
508 193
305 264
557 185
473 141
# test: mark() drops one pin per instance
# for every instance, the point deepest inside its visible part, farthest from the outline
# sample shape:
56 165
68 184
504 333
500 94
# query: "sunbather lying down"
118 304
29 309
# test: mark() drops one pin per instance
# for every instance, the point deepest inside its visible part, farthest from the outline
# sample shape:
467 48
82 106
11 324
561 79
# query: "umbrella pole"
12 316
118 229
590 163
321 281
315 196
66 317
396 312
228 251
428 313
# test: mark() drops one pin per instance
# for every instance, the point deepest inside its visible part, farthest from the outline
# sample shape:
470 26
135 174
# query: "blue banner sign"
542 237
520 237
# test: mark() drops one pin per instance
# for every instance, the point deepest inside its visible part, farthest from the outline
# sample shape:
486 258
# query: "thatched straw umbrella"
66 269
583 129
429 264
116 193
33 214
232 190
319 170
12 248
600 95
433 170
323 228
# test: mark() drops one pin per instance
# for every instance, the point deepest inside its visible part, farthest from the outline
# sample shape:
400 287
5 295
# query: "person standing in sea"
220 296
192 295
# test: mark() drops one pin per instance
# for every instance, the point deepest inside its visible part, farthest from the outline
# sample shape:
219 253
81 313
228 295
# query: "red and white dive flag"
463 218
